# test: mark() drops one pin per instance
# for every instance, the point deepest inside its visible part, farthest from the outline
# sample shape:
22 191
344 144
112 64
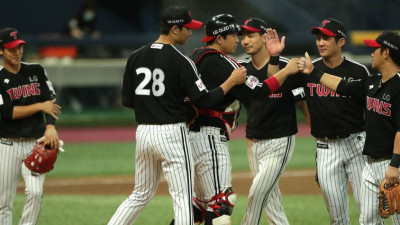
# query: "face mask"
88 15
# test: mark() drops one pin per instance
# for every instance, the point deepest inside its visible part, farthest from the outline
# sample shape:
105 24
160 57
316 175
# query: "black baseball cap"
330 27
388 39
220 24
179 15
255 25
10 38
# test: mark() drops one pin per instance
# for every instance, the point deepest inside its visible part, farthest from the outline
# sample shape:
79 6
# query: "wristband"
272 83
317 74
274 60
395 162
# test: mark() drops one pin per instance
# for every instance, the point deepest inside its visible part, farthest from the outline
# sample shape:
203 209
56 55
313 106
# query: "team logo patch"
298 92
51 87
6 142
321 145
371 86
252 82
6 81
157 46
200 85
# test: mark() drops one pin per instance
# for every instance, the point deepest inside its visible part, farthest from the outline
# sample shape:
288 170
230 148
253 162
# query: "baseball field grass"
100 159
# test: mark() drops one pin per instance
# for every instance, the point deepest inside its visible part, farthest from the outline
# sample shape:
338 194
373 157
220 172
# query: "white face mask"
88 15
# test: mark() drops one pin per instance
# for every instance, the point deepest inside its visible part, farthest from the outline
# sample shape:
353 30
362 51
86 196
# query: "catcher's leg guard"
198 211
220 210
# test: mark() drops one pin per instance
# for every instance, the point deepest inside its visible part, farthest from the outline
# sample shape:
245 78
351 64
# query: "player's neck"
388 71
12 68
260 59
333 61
215 46
166 39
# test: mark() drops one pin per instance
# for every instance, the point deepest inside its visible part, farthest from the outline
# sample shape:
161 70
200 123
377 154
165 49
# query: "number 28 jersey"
156 81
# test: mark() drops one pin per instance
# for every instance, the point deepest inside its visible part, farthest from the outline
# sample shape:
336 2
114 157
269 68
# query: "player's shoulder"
356 65
245 61
36 68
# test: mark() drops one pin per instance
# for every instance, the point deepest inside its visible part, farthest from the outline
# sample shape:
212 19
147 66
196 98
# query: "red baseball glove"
42 159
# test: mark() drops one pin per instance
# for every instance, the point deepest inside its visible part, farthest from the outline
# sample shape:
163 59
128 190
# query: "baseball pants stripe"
12 153
338 162
372 174
160 148
212 163
268 159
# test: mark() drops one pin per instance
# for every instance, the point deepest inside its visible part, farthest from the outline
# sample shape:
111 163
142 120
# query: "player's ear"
342 42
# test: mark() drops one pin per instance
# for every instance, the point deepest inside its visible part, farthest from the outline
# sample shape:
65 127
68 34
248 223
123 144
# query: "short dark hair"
213 40
165 29
393 56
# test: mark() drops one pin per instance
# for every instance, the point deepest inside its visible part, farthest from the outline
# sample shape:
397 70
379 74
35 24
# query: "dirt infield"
291 183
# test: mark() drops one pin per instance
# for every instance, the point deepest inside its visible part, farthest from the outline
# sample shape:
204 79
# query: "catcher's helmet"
220 24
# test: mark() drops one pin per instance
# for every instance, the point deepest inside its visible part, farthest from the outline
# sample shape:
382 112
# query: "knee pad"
220 208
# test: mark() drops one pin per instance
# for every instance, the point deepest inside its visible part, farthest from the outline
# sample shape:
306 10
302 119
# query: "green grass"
98 159
98 209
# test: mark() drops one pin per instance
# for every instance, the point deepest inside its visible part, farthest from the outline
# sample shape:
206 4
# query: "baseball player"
380 94
337 123
28 112
156 81
214 198
271 123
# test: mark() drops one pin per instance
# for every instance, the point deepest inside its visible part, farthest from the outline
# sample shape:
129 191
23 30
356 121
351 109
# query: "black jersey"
333 114
29 86
382 104
156 81
275 115
215 68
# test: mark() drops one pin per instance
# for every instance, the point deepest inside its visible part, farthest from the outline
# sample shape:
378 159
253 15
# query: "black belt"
371 159
334 137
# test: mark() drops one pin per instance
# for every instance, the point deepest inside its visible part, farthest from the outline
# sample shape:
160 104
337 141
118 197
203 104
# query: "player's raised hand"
305 65
292 66
272 42
51 108
238 76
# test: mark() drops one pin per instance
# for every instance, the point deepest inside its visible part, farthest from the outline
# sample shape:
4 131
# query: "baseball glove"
192 111
42 158
389 199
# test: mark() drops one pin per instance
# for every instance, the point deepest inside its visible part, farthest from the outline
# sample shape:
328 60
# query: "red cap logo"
325 22
14 35
246 22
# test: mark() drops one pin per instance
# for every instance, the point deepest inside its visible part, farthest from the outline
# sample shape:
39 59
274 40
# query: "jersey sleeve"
355 88
6 107
48 93
127 92
191 81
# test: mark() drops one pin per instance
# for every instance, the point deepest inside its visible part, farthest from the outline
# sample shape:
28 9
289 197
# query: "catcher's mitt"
192 111
389 199
42 159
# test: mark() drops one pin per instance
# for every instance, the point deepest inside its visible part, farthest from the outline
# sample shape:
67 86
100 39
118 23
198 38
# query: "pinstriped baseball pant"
268 159
160 149
372 175
212 162
338 162
12 153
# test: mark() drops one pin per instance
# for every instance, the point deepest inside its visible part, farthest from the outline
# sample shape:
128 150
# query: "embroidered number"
157 88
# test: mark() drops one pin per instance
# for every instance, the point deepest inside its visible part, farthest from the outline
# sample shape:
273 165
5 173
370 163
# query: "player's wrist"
395 161
317 74
274 60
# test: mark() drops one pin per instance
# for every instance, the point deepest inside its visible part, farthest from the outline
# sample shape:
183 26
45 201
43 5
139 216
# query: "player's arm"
49 107
127 91
275 48
280 77
216 95
392 173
